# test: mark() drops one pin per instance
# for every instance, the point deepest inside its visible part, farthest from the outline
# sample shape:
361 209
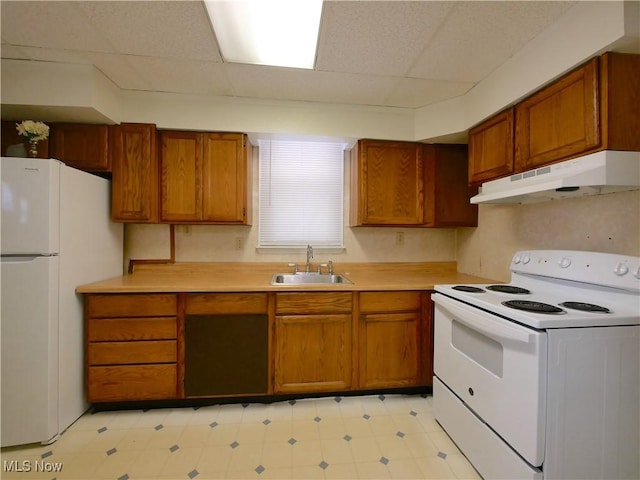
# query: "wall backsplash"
604 223
204 243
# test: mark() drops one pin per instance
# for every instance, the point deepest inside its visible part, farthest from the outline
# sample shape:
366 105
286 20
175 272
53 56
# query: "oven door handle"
482 321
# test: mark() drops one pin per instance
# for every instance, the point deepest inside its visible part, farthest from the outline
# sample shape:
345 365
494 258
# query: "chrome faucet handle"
309 257
295 267
330 266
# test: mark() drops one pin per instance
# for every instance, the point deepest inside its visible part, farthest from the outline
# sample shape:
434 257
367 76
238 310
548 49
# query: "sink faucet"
309 257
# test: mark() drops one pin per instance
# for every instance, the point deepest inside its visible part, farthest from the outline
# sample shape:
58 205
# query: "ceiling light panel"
281 33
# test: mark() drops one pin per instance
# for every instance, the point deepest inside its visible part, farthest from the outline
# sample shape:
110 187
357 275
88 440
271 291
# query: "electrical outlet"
238 243
399 238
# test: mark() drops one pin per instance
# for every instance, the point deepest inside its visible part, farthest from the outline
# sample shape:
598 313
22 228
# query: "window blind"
300 193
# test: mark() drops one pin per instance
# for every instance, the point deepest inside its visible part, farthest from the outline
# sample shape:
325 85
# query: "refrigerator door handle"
24 258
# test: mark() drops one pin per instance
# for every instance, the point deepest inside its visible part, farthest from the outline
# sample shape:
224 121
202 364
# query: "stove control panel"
607 269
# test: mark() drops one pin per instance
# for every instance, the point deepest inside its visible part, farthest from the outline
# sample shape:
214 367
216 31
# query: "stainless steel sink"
303 278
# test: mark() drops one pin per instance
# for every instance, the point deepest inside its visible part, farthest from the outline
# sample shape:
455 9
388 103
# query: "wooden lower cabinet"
391 340
132 351
389 350
206 345
313 342
313 353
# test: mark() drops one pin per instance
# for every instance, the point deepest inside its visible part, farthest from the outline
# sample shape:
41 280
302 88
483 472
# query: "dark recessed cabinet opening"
226 355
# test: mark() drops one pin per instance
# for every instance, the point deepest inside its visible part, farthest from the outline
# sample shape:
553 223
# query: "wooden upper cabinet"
560 120
592 108
82 146
387 183
227 182
491 148
181 176
134 187
447 192
205 177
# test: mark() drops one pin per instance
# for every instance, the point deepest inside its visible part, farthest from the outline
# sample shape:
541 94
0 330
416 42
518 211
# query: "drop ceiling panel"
55 25
480 36
154 28
308 85
381 38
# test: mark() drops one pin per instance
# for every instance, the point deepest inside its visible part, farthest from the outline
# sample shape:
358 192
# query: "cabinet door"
81 146
491 148
389 350
134 186
560 120
388 184
181 176
312 353
225 178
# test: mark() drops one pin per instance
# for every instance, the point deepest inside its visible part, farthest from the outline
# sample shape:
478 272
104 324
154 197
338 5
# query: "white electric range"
540 377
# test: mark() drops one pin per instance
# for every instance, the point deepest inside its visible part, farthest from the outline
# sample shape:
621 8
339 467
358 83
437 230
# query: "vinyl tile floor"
353 437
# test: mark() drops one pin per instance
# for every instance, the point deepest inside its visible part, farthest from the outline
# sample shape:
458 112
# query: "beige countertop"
256 277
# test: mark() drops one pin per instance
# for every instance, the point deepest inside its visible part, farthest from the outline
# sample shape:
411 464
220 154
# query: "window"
301 193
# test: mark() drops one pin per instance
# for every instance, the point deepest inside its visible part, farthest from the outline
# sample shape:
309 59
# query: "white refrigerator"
56 234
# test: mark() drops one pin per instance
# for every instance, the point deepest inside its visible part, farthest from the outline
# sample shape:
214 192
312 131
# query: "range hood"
597 173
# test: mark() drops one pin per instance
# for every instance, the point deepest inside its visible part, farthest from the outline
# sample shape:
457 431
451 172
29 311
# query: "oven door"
497 368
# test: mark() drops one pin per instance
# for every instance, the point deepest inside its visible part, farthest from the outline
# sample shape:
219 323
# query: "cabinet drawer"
135 305
226 303
122 353
304 303
132 382
390 301
122 329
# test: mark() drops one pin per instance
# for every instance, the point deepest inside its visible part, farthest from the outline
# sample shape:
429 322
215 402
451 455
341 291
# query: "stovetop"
566 289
